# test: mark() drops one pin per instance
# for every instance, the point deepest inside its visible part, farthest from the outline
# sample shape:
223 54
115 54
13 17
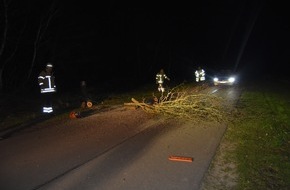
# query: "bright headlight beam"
231 79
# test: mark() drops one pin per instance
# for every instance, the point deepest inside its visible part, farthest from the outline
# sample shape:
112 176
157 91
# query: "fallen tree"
186 104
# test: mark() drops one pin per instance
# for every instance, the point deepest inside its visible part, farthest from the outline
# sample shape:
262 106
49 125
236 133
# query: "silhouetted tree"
23 26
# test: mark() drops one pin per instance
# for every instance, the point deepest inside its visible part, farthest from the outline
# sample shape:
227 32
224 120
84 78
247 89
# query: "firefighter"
46 81
199 75
160 77
86 102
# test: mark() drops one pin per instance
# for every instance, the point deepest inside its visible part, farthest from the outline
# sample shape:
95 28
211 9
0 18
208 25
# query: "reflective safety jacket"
46 82
160 78
199 73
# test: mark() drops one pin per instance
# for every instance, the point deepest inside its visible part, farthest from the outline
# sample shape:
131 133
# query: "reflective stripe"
47 109
160 78
49 81
49 88
45 90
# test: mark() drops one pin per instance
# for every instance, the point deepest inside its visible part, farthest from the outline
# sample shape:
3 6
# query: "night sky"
127 43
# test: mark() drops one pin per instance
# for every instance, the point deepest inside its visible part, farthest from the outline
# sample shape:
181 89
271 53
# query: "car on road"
224 77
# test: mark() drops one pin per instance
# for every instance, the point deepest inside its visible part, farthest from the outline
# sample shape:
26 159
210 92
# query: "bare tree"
4 37
14 22
43 26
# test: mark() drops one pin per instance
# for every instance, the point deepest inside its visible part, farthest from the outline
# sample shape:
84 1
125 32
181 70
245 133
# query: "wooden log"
180 158
131 105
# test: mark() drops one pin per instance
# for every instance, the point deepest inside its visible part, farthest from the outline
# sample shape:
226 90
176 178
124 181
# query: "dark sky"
129 42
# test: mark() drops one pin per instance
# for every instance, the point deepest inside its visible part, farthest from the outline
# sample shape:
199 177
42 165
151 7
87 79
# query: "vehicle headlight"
232 79
215 79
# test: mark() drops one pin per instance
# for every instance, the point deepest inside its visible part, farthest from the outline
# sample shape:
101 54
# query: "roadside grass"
261 133
15 111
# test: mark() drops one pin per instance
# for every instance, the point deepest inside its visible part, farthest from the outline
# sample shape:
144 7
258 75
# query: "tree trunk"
40 34
247 35
4 38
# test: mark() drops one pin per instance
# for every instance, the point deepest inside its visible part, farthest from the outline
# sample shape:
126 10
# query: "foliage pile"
186 103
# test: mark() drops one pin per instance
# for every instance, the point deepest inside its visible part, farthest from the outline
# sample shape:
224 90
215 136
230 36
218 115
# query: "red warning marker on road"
180 158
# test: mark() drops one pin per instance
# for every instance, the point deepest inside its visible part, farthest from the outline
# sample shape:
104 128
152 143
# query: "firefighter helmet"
49 65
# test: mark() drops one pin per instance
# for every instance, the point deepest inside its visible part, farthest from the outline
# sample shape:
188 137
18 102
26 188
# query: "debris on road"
180 158
74 115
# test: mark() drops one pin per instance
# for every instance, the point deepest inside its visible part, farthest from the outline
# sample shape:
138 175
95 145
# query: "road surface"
117 149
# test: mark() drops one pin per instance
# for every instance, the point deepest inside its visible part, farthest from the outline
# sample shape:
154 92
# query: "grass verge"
261 135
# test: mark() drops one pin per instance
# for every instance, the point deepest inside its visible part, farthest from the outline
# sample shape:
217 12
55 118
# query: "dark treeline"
121 43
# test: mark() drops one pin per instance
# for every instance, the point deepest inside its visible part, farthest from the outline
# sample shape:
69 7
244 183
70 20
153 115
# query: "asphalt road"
129 151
